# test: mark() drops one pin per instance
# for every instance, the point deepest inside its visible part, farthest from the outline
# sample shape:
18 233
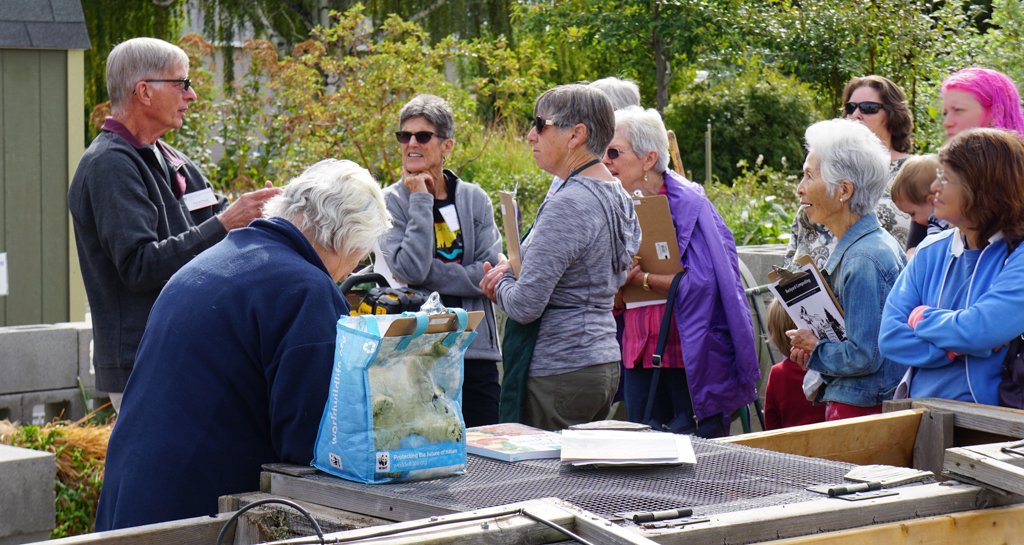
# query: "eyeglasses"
941 178
186 83
422 136
539 123
614 153
866 108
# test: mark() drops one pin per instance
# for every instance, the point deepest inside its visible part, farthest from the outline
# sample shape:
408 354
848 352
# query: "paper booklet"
809 301
626 448
510 222
512 442
659 248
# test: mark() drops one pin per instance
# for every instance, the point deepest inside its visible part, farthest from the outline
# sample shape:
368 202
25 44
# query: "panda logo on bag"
335 460
383 461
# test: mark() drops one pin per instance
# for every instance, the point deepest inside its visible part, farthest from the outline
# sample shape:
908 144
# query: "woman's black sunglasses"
539 123
866 108
422 137
613 153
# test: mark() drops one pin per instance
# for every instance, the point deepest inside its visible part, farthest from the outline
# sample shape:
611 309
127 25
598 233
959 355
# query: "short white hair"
645 132
137 59
621 92
337 204
848 150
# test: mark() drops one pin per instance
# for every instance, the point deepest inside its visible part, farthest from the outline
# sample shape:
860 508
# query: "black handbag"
1011 385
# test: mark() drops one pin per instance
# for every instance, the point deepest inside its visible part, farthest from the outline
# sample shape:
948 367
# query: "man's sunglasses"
866 108
185 83
422 137
539 123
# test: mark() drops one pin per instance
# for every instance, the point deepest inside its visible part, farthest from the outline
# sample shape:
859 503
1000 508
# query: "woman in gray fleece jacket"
443 234
573 262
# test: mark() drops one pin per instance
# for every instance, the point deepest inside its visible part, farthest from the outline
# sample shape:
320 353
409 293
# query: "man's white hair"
137 59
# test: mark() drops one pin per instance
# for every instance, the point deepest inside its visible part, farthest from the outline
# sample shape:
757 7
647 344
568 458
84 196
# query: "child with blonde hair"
785 404
912 192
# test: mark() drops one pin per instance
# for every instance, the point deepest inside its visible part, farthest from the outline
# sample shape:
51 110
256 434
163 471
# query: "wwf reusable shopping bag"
394 409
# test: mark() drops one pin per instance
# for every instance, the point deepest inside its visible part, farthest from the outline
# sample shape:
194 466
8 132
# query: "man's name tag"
199 199
451 217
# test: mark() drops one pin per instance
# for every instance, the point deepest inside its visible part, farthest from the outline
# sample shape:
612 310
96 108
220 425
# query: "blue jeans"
672 409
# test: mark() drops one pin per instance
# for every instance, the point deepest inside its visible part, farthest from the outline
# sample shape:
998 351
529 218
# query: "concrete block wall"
27 510
44 371
760 259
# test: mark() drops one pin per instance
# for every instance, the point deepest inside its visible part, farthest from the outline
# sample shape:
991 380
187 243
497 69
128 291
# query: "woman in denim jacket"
960 299
844 175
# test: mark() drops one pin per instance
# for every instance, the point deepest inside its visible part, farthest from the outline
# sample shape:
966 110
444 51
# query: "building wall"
33 185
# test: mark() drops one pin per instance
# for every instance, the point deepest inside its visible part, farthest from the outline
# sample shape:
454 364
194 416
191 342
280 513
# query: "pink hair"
995 92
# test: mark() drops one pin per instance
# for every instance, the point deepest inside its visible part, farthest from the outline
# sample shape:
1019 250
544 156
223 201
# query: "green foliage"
80 476
506 164
635 39
757 113
760 206
155 19
827 42
339 93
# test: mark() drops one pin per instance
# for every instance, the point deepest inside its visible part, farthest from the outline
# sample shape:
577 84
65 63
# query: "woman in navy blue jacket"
960 299
234 365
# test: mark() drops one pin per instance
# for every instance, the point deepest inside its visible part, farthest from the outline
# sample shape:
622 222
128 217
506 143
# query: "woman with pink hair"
972 98
980 97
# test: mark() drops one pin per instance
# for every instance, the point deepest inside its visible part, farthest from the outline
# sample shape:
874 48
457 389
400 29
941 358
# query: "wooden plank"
330 520
830 514
934 436
894 405
886 438
3 177
995 526
53 180
826 514
22 152
320 489
498 528
600 530
4 122
988 418
192 531
988 465
75 148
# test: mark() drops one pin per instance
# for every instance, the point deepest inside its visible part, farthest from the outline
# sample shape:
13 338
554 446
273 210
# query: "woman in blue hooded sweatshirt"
959 301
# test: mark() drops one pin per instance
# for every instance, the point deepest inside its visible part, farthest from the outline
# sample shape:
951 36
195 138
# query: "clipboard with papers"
659 248
808 300
510 223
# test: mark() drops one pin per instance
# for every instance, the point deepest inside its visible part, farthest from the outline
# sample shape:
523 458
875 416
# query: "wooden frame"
888 438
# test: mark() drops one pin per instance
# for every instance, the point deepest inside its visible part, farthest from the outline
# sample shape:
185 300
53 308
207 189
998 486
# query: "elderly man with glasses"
141 209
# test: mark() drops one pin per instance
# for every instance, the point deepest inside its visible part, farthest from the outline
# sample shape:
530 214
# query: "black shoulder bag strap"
1011 383
659 349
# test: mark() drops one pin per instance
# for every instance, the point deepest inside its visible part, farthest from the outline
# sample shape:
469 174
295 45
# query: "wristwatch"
647 286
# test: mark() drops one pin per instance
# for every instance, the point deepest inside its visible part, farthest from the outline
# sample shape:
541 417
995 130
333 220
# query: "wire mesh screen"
726 478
